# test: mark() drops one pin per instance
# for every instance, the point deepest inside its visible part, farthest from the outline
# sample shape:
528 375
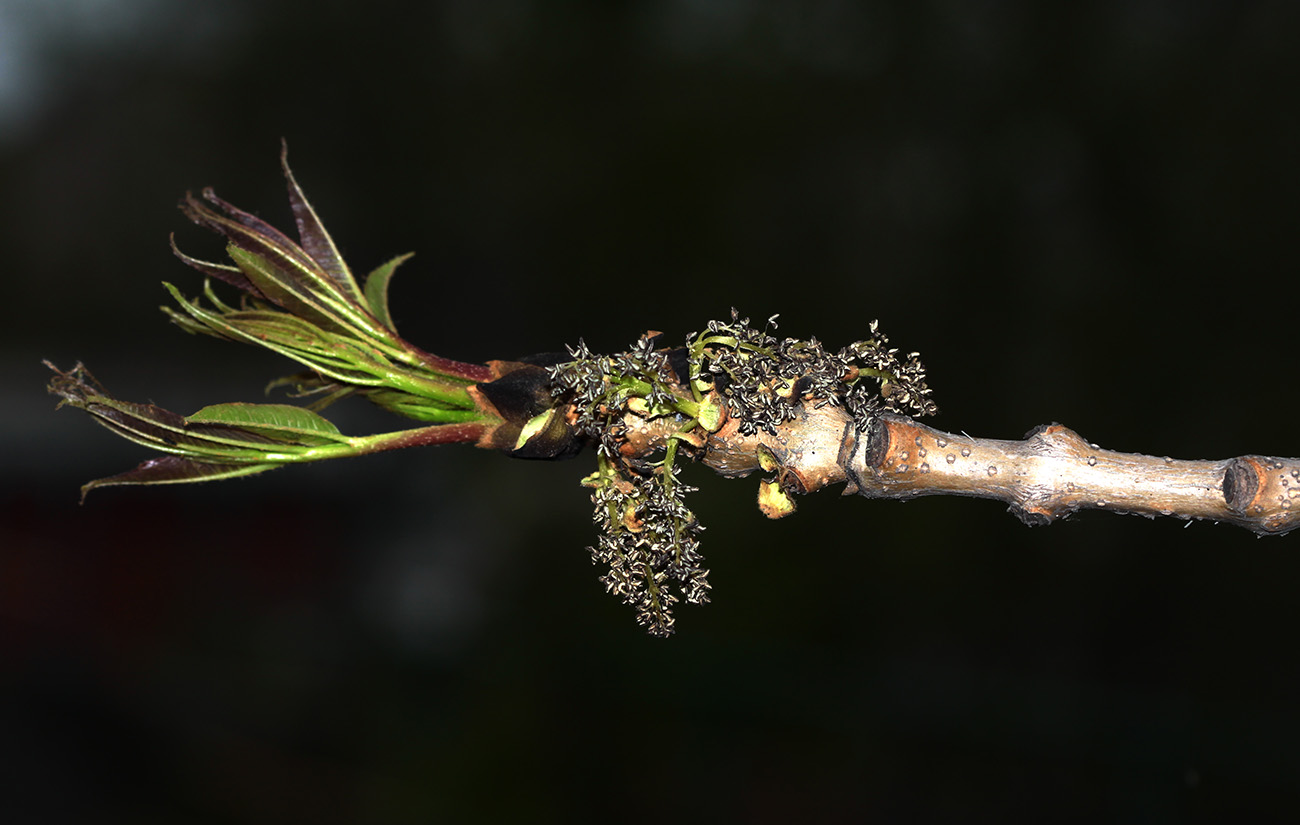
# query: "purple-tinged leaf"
79 388
284 292
311 232
173 469
222 272
289 263
148 424
237 223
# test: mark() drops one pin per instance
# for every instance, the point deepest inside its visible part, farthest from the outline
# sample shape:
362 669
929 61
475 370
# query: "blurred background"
1082 213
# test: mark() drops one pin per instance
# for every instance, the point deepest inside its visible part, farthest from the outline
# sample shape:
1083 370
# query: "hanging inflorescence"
649 538
649 541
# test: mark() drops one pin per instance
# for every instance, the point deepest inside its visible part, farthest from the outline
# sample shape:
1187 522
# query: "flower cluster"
649 538
650 542
765 379
601 388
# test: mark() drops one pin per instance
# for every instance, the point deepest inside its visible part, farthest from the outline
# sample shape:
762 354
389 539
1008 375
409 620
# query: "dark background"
1085 214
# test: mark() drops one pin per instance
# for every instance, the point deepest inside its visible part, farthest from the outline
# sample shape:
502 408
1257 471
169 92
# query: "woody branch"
1048 475
733 396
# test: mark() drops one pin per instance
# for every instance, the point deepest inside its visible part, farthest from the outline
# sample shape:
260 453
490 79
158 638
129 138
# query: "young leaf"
377 289
216 435
283 422
222 272
315 240
248 232
281 289
173 469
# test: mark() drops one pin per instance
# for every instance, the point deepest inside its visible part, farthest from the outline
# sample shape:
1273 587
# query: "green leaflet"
224 433
311 296
419 407
350 360
282 422
339 357
377 289
280 288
